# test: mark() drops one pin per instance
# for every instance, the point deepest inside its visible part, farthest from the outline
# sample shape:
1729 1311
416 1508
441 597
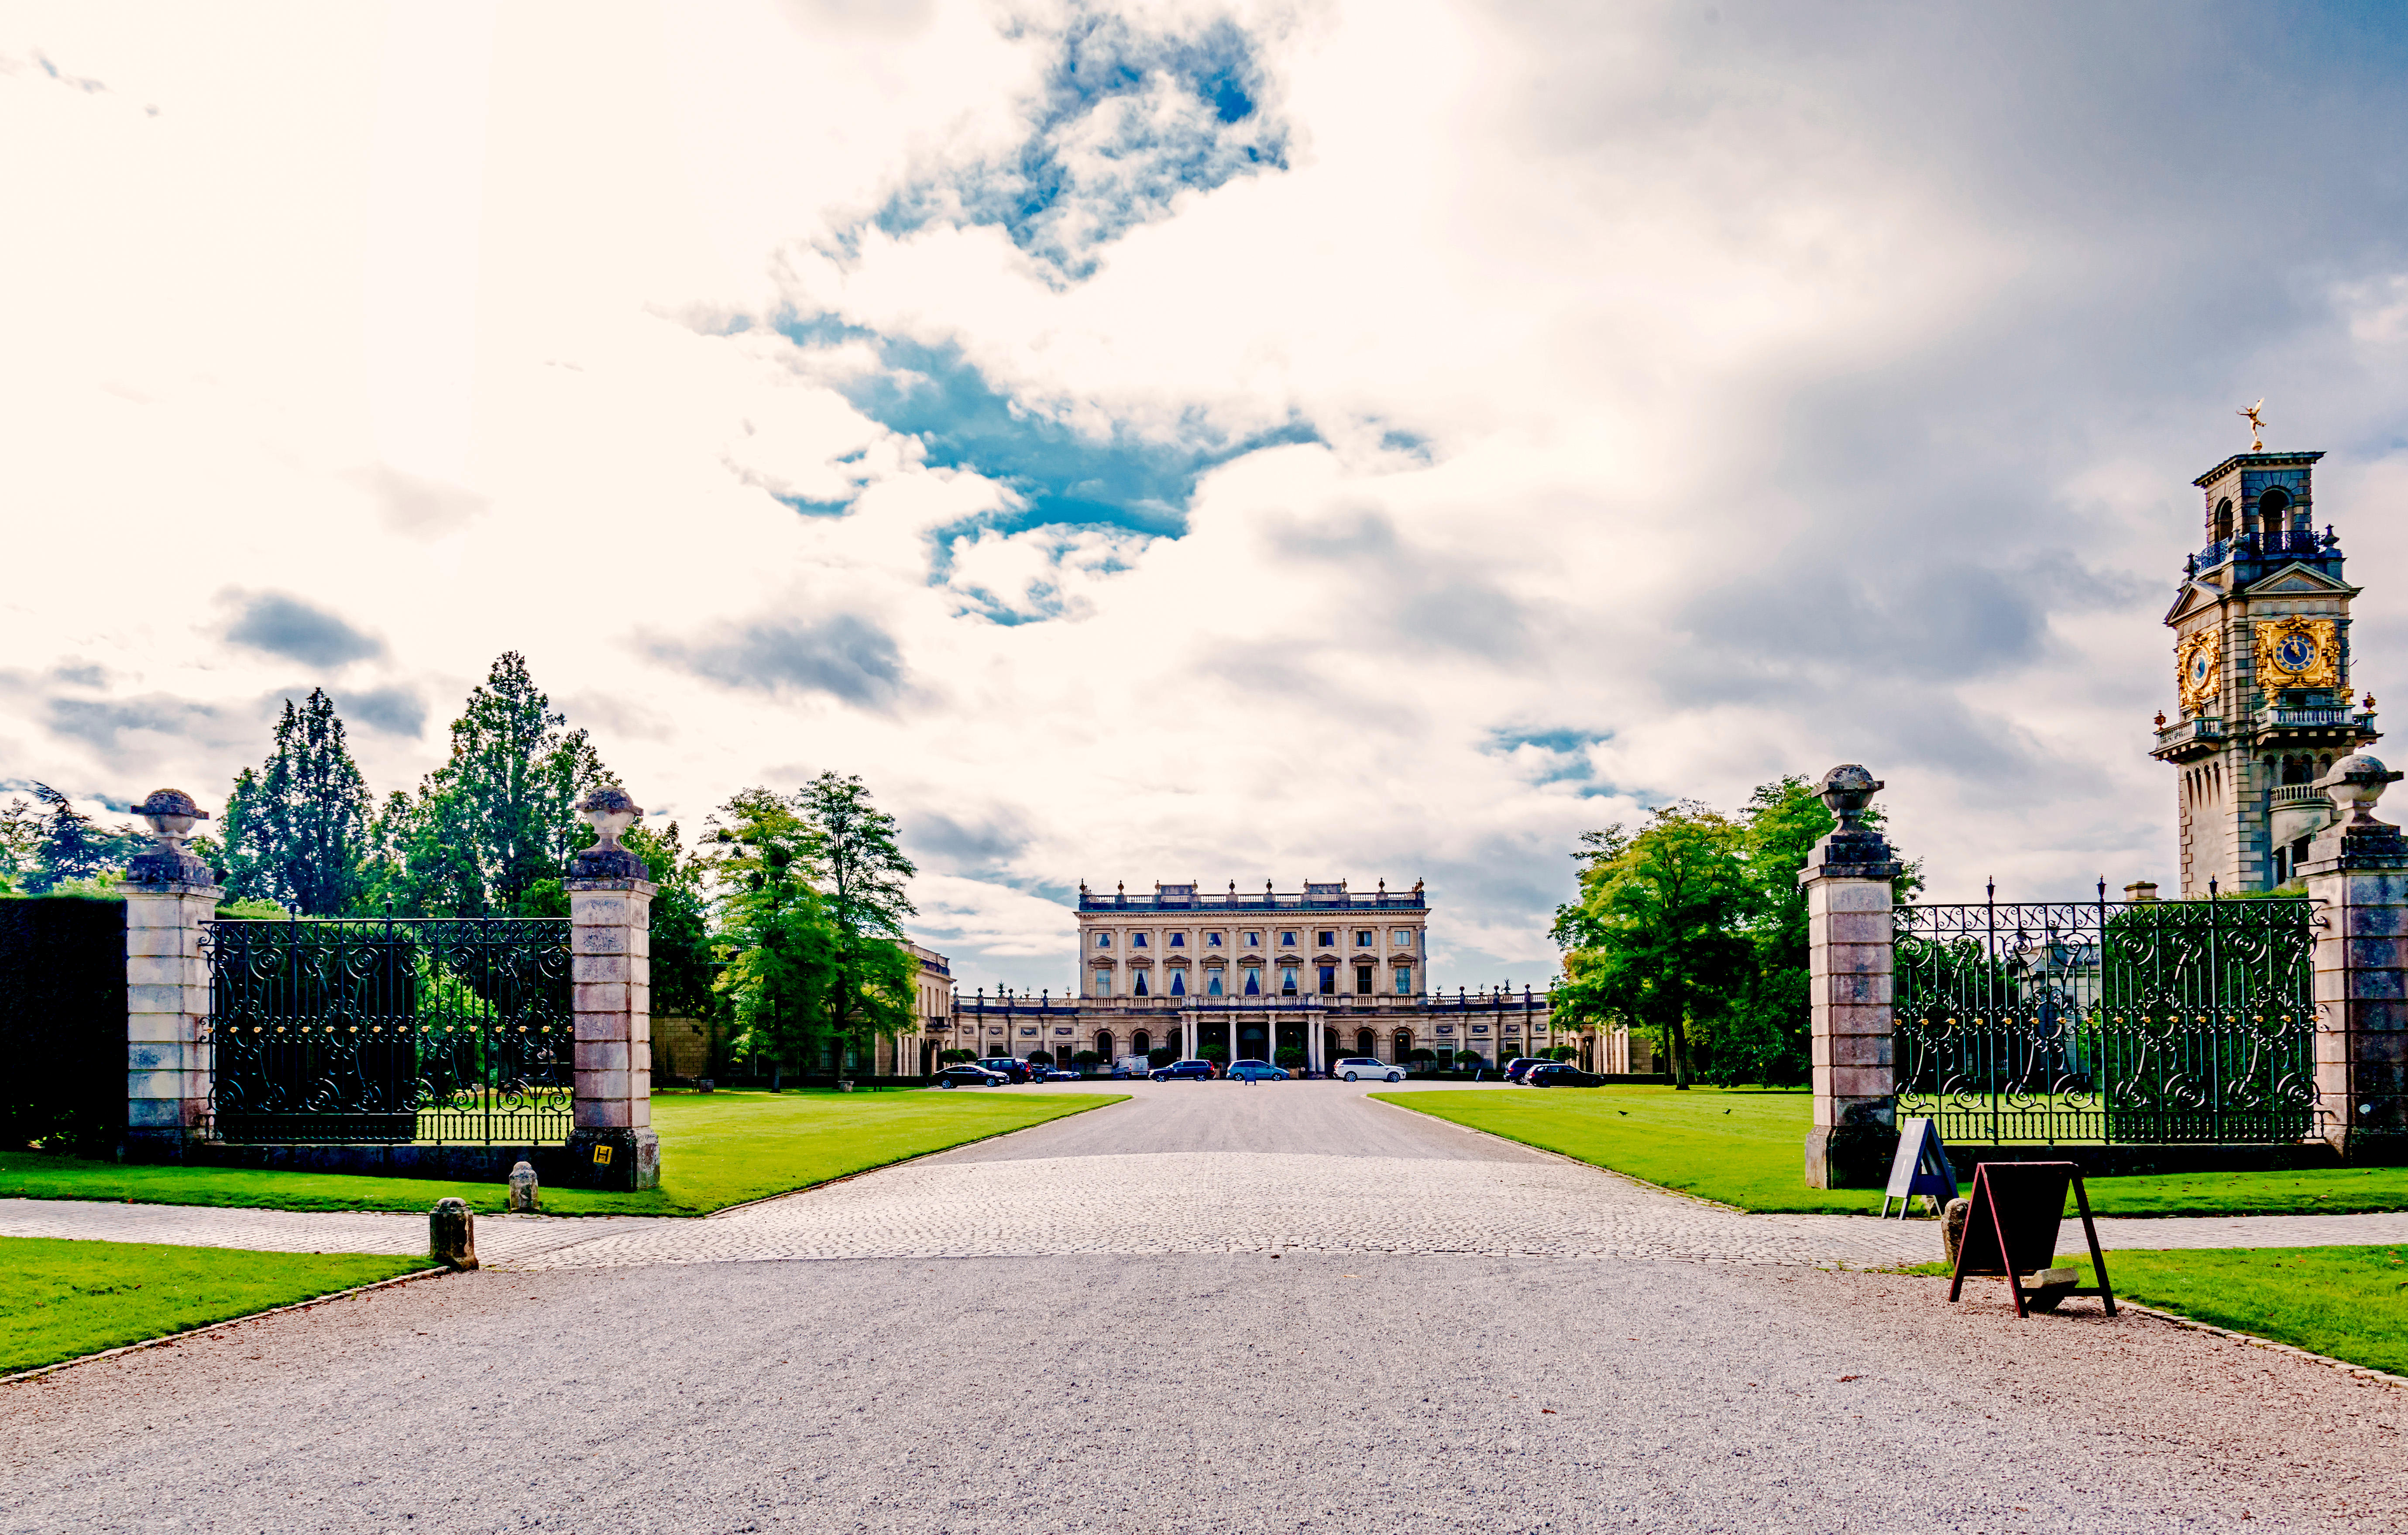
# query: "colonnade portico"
1191 1027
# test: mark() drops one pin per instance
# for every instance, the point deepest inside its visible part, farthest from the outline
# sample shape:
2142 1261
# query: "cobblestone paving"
1162 1204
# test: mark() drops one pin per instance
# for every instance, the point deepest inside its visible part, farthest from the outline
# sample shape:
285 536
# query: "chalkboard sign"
1919 1167
2011 1231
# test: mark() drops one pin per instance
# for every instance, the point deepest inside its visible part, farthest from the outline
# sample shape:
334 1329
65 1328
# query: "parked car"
1357 1068
1056 1073
1128 1067
1188 1070
1013 1068
1560 1075
1256 1071
1520 1064
964 1074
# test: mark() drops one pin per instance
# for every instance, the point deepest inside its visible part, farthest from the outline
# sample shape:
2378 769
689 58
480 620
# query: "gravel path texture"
1275 1310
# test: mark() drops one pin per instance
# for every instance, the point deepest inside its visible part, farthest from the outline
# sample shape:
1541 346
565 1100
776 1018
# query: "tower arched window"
2224 519
2271 508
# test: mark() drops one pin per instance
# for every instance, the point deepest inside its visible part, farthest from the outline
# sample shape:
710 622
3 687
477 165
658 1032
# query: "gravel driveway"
1276 1387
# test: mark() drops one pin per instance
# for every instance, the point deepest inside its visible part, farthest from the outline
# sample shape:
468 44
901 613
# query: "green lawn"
2348 1302
1746 1147
60 1298
717 1149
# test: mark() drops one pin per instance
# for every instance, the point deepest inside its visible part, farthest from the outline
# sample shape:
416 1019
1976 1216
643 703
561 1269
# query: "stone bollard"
705 1084
523 1189
452 1234
1952 1225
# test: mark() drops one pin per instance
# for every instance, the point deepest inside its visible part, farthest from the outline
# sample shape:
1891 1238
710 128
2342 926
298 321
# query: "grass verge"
2347 1303
1745 1147
717 1149
60 1298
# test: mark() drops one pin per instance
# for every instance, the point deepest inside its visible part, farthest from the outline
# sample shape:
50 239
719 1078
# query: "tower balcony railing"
2197 727
2290 795
2284 543
2296 717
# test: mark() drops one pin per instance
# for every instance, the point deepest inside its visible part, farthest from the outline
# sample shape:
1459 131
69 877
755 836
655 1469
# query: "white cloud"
1723 398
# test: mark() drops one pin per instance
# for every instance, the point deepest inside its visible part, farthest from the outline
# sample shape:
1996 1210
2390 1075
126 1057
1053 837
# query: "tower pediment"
2299 580
2194 595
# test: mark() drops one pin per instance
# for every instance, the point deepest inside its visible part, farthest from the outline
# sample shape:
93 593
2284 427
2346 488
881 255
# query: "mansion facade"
1324 971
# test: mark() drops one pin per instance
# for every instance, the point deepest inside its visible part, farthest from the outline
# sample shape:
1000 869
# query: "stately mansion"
1327 970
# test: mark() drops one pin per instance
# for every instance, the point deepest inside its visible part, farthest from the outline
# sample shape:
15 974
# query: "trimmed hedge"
62 1021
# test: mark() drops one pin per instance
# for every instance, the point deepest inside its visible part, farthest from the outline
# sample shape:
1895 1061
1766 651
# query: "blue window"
1139 990
1288 940
1211 982
1103 982
1253 982
1103 940
1179 983
1179 941
1404 979
1137 941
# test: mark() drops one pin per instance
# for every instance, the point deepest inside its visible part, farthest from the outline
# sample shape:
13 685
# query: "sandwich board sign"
1920 1165
2010 1232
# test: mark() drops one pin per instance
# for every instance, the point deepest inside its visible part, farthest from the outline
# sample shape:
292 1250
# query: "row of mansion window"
1326 938
1327 978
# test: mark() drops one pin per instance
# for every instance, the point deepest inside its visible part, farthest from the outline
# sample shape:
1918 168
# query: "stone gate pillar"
168 895
2357 872
1847 884
610 990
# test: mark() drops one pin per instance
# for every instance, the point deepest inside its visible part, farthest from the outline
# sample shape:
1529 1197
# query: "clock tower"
2261 676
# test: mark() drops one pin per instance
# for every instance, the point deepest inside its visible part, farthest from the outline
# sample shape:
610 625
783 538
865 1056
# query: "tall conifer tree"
295 831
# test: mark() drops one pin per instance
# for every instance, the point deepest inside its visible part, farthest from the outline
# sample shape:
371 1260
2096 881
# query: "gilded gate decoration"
2198 669
2146 1022
2298 651
392 1029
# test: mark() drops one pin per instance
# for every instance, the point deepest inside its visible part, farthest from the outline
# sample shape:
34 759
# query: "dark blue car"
1188 1070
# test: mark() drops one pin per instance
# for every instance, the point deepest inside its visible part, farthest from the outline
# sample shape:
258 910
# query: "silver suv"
1357 1068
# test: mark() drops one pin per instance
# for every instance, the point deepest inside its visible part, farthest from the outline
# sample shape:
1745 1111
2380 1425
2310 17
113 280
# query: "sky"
1169 442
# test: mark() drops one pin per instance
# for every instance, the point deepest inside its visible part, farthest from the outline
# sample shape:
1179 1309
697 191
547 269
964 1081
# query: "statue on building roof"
2257 425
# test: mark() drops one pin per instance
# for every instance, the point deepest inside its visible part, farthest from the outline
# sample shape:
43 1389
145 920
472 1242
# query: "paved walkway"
1185 1168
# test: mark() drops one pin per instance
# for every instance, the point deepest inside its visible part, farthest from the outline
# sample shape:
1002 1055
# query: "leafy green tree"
855 844
296 831
20 845
1657 941
780 941
71 846
499 817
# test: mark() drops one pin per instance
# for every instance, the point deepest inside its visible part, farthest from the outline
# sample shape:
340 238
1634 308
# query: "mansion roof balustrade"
1312 897
1045 1005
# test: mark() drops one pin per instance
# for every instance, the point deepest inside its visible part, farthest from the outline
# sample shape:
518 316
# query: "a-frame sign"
1920 1165
2011 1231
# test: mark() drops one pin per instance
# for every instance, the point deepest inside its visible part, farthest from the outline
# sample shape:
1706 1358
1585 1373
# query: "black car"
964 1074
1011 1068
1520 1064
1561 1074
1186 1070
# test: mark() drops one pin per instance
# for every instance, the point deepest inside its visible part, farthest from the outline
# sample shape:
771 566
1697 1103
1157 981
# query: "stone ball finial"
1848 789
2355 782
171 813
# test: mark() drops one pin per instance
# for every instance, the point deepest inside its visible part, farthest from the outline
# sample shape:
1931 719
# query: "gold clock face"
2199 666
2299 653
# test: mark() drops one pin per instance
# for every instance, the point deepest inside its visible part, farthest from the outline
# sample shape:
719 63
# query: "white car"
1357 1068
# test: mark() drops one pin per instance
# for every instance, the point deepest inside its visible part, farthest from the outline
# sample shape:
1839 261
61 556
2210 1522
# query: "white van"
1130 1066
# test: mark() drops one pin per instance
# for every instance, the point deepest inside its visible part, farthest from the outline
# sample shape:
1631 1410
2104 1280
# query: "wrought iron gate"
392 1029
2108 1021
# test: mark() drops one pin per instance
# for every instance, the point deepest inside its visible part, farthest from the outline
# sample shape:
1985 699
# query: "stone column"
169 895
2357 870
1847 884
610 987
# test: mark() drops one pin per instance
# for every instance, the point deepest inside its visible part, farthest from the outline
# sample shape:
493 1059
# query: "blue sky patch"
1124 120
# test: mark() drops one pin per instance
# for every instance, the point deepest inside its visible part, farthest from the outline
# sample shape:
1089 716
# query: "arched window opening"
1366 1042
1140 1042
2224 519
2271 508
1401 1047
1104 1043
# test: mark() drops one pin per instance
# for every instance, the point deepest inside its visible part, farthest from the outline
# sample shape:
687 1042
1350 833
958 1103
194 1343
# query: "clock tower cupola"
2262 675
